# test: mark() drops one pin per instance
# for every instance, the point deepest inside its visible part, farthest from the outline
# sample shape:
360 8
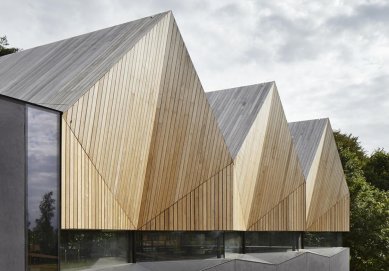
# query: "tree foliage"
44 233
3 47
368 238
377 169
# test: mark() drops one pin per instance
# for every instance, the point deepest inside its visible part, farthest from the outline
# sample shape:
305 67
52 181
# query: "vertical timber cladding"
142 149
328 208
106 139
188 182
275 200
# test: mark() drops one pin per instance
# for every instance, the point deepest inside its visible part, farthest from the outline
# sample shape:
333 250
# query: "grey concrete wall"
299 263
12 185
318 262
336 259
242 265
227 266
340 261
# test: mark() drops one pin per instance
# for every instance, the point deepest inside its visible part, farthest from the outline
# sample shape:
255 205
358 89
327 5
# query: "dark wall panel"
12 185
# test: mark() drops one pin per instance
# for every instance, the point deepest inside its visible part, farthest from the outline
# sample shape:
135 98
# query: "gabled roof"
56 75
236 109
306 137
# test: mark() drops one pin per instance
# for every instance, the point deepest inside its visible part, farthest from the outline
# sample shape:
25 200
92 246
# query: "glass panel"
164 246
85 249
322 239
42 188
233 242
269 241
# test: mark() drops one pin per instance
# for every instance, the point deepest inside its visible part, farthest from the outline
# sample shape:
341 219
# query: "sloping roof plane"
306 136
236 110
56 75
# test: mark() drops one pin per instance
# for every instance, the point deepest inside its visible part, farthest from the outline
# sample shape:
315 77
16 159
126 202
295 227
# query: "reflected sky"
43 160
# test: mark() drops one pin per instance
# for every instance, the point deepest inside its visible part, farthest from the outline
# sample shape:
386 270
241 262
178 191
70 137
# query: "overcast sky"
328 58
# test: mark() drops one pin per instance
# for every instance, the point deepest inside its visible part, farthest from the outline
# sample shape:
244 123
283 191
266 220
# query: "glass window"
164 246
269 241
233 242
93 249
42 188
322 239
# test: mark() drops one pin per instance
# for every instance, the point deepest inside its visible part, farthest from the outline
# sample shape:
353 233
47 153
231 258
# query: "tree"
43 232
3 50
377 169
368 238
350 143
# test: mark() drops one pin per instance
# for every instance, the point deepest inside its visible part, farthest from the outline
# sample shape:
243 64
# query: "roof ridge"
237 87
84 34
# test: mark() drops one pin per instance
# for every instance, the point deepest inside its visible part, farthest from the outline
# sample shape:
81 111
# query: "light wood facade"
143 149
330 213
272 193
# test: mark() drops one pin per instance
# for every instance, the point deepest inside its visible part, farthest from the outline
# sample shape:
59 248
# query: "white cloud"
328 58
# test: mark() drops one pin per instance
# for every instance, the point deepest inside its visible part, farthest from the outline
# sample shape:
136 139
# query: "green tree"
43 232
368 238
377 169
3 47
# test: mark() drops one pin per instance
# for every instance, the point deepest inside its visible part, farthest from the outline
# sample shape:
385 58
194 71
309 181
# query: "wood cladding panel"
142 149
336 218
113 122
312 171
187 146
87 201
288 215
148 131
247 164
206 207
329 184
267 168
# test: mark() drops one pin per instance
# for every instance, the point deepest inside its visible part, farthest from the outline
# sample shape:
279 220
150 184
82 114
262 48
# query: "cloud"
363 15
328 58
43 158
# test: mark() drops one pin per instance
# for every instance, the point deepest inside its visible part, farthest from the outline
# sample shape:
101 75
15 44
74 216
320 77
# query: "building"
111 152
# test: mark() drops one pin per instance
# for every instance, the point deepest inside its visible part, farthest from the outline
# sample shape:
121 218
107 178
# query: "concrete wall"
12 185
327 259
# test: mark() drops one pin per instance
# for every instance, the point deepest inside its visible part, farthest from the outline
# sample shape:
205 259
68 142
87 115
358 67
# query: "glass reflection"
322 239
233 242
95 249
42 188
269 241
164 246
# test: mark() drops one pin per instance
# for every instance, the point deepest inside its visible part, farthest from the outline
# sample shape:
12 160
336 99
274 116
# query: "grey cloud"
365 15
316 51
298 38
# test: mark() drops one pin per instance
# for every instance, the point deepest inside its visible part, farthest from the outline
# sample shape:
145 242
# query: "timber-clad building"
112 153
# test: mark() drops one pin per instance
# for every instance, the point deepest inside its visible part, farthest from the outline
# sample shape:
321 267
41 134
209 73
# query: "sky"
328 58
43 165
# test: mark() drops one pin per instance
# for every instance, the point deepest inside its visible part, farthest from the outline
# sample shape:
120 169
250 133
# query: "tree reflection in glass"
42 188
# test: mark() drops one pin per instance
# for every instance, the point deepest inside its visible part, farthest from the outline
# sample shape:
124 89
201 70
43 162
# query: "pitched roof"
306 137
56 75
236 110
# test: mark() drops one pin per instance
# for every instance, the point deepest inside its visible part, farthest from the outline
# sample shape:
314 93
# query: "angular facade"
110 136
